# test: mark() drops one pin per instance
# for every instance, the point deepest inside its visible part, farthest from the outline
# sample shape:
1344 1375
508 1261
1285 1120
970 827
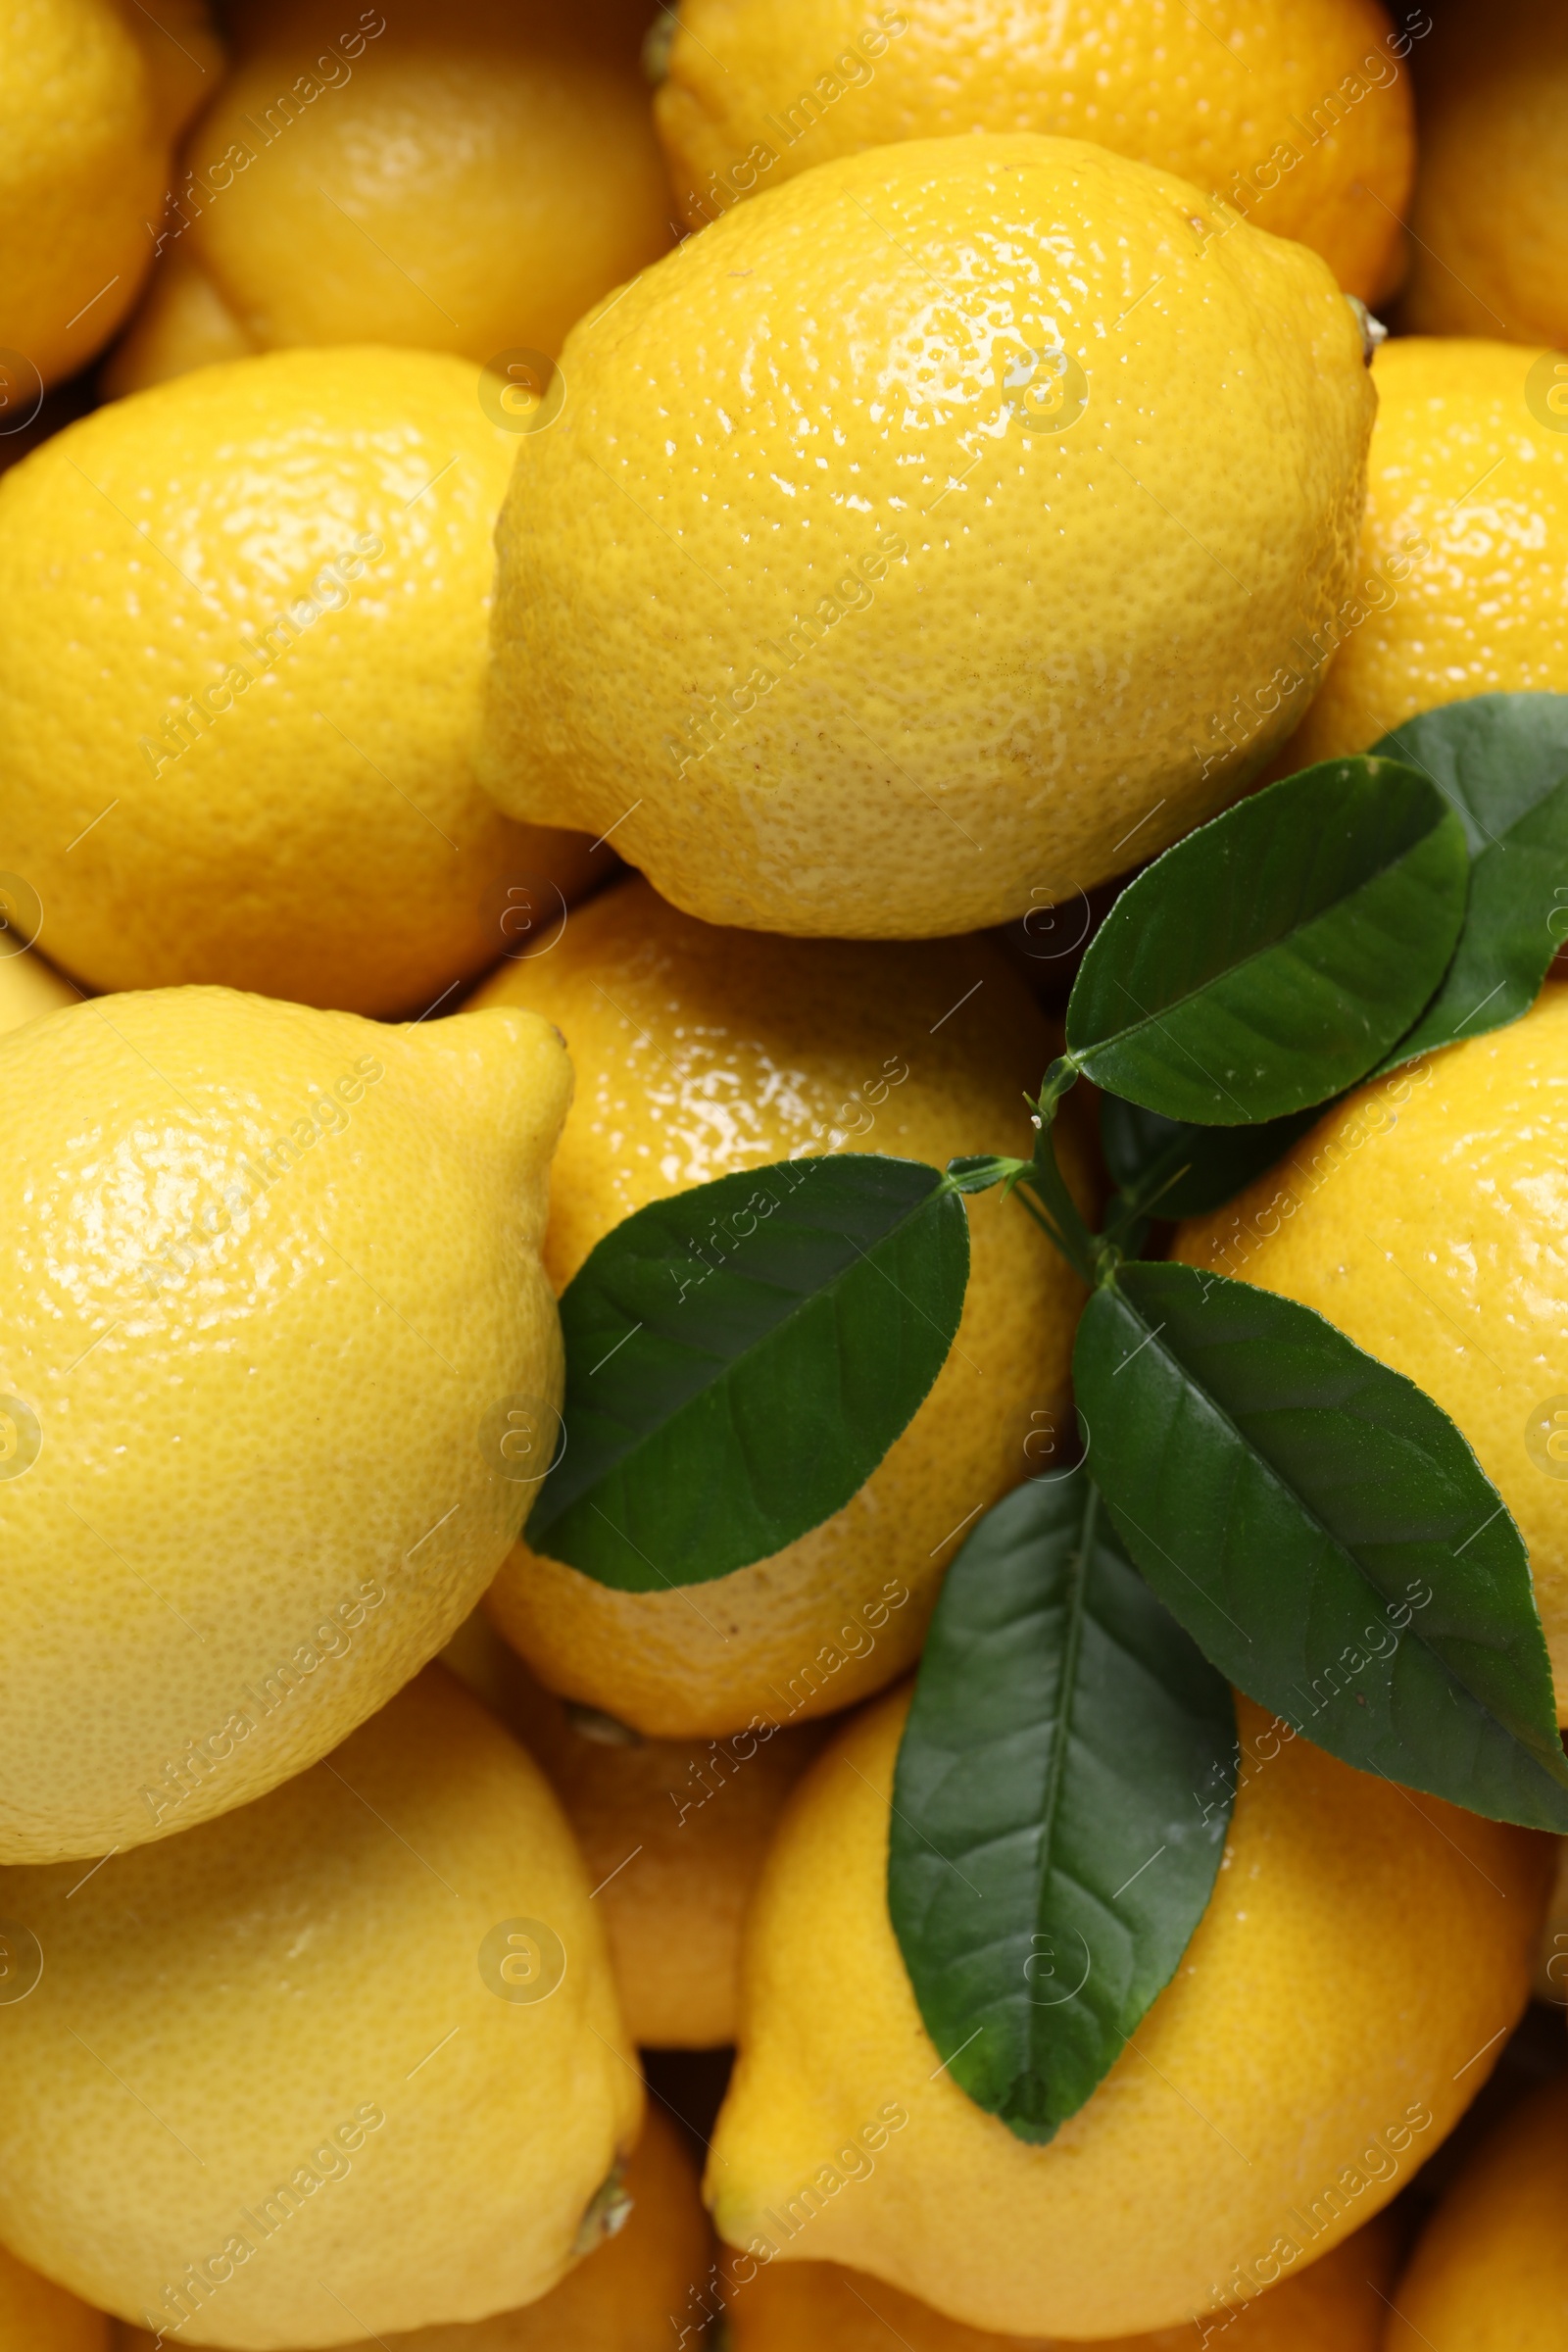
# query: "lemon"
35 2316
1342 1999
1338 2304
183 323
28 986
269 1286
698 1053
619 2298
1487 257
1490 2271
1297 112
1552 1958
892 560
347 2060
442 175
240 685
1420 1216
1458 590
673 1833
92 96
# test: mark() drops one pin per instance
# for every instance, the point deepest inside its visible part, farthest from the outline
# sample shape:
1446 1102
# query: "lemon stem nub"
607 2212
1373 330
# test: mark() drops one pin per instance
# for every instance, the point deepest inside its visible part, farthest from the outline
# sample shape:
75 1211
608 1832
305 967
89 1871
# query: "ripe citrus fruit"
1420 1216
240 683
1459 587
1298 115
270 1284
92 96
1337 2305
36 2316
698 1053
28 986
457 175
673 1833
1490 2271
1343 1997
1487 257
900 540
1552 1958
183 322
619 2298
399 2083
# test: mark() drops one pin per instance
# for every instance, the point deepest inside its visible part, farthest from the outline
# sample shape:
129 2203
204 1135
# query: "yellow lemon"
25 419
1487 256
619 2298
1552 1958
1490 2271
1464 551
36 2316
270 1282
1297 112
346 2060
699 1052
28 986
240 684
673 1833
92 96
456 176
183 323
890 564
1421 1216
1337 2305
1341 2001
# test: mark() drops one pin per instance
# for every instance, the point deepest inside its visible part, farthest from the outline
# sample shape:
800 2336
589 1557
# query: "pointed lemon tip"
510 1071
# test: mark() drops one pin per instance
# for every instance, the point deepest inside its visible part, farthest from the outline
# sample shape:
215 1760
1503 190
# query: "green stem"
1062 1220
1144 1200
1060 1241
1073 1236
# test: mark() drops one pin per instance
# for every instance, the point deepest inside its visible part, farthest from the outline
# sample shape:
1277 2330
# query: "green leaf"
1272 958
739 1359
1059 1806
1169 1168
1325 1534
979 1174
1502 761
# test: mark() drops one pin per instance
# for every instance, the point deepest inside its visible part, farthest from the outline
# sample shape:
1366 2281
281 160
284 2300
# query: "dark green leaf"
1501 761
1494 757
740 1357
1059 1806
1325 1534
1272 958
979 1174
1169 1168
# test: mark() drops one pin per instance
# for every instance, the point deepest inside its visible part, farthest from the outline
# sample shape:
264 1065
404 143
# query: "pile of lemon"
881 472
